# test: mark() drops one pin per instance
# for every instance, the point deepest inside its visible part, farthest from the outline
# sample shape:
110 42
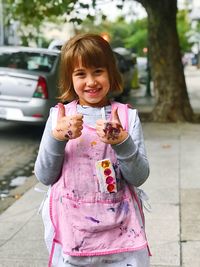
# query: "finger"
61 111
78 116
115 116
100 122
99 129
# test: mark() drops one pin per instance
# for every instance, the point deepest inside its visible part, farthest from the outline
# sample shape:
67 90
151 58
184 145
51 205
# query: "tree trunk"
172 101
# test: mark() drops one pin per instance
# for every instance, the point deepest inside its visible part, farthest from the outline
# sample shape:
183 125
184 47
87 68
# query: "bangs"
89 56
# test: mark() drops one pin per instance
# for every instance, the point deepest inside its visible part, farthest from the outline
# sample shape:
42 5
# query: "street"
18 144
18 148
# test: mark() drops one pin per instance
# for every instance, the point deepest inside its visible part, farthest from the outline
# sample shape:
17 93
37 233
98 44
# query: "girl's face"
91 85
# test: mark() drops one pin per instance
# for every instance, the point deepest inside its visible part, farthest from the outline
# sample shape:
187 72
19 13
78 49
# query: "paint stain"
93 143
111 131
69 134
92 219
77 248
123 206
112 209
135 234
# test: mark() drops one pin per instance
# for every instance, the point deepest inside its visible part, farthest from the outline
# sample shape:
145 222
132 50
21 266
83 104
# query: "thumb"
61 111
115 116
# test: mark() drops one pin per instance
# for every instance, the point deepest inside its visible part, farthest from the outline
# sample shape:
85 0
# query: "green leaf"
76 20
86 6
119 6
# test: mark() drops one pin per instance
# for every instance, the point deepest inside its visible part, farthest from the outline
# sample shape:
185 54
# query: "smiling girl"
92 155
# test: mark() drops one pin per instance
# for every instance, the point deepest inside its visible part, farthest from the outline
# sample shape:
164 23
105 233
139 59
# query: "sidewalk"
173 226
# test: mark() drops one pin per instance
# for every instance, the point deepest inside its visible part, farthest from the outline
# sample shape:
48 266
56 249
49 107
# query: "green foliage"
35 11
122 34
198 26
138 37
183 27
131 35
134 35
137 41
32 15
119 31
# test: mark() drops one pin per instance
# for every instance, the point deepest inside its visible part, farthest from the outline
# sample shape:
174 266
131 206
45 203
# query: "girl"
93 157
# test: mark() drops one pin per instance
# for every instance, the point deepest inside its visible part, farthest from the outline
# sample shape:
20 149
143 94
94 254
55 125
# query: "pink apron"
89 222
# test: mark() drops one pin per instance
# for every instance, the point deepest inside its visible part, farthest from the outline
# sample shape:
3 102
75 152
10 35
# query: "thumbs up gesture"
67 126
111 132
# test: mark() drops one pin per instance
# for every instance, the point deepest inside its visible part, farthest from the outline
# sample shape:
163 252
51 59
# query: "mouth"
92 91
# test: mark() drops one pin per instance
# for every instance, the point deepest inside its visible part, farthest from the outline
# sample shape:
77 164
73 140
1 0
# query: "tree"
172 101
36 11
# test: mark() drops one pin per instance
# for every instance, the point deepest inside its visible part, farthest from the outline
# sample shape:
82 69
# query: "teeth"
92 91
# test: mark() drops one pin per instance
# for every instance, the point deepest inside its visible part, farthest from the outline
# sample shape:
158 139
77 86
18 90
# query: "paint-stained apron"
89 222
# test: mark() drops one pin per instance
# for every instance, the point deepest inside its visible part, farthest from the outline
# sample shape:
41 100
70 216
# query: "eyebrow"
83 69
76 70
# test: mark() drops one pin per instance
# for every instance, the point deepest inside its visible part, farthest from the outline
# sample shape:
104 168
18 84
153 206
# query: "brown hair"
93 51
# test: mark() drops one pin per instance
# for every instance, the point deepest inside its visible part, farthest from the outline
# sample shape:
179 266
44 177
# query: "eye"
79 74
99 71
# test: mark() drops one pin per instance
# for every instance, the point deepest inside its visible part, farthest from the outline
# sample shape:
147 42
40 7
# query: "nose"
91 81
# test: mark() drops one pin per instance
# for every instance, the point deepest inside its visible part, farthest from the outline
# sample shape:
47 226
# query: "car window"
27 61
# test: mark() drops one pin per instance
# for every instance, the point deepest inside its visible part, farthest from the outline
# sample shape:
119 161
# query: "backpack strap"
122 112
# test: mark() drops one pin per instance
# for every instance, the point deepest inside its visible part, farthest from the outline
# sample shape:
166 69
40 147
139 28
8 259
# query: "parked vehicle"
126 72
129 67
28 83
56 45
142 69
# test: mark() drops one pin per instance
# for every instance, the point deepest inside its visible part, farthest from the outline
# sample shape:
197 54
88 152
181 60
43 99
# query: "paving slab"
190 215
191 255
21 233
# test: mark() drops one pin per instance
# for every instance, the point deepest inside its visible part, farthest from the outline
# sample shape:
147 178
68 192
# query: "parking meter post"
198 56
1 24
148 84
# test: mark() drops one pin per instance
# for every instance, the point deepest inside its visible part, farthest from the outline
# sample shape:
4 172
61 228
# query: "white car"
28 83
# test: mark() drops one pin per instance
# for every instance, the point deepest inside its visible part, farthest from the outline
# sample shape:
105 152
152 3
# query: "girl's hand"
68 126
111 132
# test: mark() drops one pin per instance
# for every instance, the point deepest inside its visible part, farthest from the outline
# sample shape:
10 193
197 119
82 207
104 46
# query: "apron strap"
141 212
122 112
51 254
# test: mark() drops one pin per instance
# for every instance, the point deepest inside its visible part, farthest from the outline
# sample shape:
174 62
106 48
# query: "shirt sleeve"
50 156
131 153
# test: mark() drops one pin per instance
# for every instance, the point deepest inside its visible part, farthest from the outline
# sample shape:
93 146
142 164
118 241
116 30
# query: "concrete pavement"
173 226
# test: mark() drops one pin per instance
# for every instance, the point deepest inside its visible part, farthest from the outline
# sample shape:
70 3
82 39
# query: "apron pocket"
99 215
